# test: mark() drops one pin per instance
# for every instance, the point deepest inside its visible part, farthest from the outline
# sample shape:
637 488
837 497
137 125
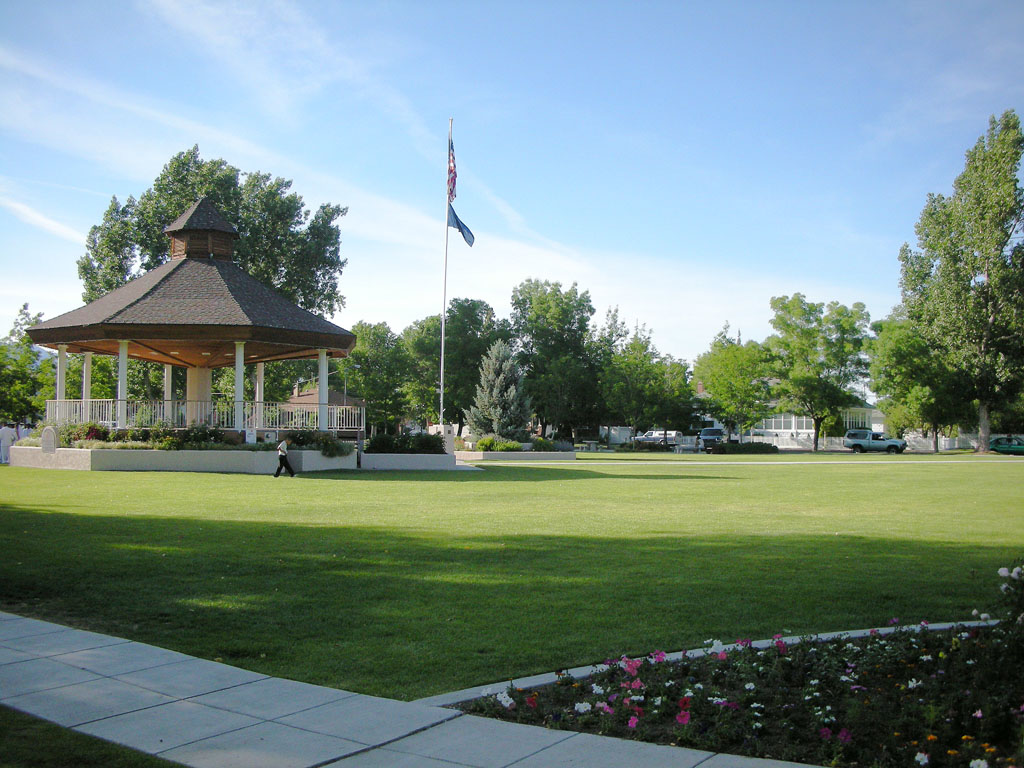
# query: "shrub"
325 442
653 447
418 443
508 446
486 443
90 430
543 445
735 448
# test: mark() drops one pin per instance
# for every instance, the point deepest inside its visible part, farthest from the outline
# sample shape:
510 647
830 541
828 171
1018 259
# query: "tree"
25 373
735 376
378 369
964 288
631 381
552 328
817 356
501 406
471 328
917 385
280 244
674 404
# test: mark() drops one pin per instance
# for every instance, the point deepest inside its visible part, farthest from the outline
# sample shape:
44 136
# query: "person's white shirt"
282 448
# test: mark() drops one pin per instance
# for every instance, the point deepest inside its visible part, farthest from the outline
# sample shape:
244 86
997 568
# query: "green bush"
90 430
542 444
326 443
734 448
418 443
508 446
486 443
652 447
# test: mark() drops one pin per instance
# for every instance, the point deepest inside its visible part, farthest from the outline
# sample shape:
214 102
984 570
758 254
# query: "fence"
215 413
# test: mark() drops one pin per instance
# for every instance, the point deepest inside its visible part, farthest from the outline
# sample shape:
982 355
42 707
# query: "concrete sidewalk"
209 715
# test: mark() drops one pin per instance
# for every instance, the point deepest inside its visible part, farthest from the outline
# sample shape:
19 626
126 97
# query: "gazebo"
198 311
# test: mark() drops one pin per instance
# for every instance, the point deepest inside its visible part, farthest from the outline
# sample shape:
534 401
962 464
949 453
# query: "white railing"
216 413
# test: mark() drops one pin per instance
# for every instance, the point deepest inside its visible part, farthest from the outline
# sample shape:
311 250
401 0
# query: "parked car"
708 438
860 440
667 436
1009 445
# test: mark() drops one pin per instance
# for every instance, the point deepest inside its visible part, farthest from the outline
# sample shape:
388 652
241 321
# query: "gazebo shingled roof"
190 310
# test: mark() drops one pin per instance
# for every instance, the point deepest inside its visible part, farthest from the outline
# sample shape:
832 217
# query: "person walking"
7 438
282 458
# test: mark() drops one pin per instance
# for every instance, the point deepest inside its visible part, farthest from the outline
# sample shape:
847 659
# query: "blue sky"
684 162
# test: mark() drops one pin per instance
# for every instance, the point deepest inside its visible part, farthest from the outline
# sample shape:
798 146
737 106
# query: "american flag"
452 175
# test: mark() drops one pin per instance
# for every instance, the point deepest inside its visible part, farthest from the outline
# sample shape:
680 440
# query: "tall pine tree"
501 407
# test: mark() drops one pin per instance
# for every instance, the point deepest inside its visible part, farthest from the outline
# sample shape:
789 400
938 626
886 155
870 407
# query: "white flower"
1016 573
505 700
636 698
749 686
926 657
974 612
583 707
755 724
921 758
985 617
913 683
597 689
1004 572
657 701
813 682
979 763
755 705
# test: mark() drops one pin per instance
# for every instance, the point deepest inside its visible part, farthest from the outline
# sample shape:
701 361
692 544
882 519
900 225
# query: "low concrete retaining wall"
515 455
244 462
408 461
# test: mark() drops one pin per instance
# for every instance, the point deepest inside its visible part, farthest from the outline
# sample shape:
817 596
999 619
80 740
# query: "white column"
198 386
259 395
322 392
62 370
239 385
122 384
87 386
168 393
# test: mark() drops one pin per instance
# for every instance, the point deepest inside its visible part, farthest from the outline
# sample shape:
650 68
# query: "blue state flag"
456 222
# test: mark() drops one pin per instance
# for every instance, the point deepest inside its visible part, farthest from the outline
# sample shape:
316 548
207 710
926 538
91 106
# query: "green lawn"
410 584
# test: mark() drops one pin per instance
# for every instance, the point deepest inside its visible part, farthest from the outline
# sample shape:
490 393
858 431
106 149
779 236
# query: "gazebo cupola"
198 311
202 233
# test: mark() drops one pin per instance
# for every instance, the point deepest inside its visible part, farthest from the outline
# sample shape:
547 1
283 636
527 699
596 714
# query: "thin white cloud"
38 220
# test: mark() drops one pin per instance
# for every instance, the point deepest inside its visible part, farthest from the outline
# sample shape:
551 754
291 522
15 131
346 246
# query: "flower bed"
900 698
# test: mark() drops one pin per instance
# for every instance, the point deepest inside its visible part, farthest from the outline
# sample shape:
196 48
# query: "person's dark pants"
282 463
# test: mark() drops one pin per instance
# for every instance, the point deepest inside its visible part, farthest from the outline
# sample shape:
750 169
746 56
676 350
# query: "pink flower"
845 736
605 708
633 721
744 643
874 633
658 656
893 621
978 714
636 684
825 733
781 647
683 717
721 655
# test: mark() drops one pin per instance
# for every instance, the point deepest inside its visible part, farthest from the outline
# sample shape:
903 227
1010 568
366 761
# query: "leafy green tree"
736 377
471 329
964 288
280 244
674 403
501 406
25 374
917 386
422 341
552 328
378 369
817 356
632 380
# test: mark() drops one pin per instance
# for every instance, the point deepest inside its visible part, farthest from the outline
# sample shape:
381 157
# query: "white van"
667 436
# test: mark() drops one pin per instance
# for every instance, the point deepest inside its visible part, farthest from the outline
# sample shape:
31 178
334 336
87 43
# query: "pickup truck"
859 440
666 436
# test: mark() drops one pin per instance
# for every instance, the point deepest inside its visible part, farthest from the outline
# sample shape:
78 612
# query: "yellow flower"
965 737
932 737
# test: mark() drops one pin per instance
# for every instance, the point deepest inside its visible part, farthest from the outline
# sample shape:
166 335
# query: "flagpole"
444 282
